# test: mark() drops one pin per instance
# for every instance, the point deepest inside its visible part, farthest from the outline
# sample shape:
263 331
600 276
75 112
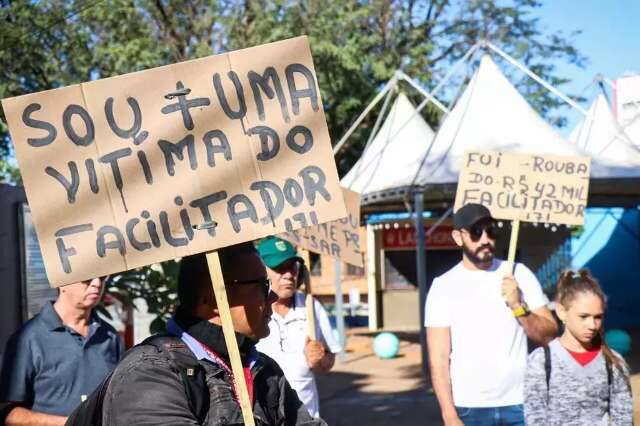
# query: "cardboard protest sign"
158 164
339 239
533 188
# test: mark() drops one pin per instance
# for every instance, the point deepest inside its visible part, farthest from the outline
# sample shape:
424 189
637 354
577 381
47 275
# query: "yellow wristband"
520 311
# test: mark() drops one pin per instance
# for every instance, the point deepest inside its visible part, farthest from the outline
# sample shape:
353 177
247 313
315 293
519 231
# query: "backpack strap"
547 367
191 372
547 364
607 365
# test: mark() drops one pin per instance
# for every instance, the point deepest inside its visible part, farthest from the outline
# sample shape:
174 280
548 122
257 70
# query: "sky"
610 39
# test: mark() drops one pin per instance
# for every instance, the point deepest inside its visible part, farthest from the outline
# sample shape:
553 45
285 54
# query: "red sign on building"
405 238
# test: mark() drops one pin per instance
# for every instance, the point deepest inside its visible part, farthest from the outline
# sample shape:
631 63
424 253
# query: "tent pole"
534 77
435 226
390 84
619 128
372 286
393 82
383 111
455 67
446 78
339 310
376 126
431 95
423 92
600 81
421 272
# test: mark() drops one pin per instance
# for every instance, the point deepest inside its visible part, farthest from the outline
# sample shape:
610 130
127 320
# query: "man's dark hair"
194 278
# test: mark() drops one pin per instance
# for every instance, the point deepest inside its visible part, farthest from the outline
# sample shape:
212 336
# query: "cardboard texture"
131 170
339 239
532 188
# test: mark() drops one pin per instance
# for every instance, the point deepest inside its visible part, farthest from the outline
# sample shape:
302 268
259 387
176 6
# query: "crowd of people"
67 366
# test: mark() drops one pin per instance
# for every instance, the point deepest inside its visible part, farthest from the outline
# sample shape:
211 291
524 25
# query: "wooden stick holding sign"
513 244
522 187
220 292
311 313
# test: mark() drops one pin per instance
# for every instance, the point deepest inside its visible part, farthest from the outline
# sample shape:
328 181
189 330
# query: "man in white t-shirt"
288 342
478 316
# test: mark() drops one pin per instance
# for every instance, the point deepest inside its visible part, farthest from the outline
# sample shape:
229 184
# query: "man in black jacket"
152 386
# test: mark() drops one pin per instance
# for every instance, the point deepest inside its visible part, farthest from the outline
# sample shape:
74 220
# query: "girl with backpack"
577 379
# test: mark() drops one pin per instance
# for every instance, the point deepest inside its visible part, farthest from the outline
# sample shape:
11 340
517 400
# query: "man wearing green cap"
288 342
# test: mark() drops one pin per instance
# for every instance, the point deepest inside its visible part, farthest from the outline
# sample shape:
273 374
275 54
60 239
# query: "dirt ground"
365 390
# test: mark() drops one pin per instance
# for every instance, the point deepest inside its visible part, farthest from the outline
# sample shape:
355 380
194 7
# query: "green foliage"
9 173
156 284
356 47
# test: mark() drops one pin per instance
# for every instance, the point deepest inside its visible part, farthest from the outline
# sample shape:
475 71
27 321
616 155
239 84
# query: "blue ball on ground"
386 345
619 341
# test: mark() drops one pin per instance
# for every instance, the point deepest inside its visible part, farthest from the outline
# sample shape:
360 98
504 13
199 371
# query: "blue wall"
609 247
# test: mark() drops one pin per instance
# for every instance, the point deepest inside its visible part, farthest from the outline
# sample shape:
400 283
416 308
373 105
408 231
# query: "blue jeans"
511 415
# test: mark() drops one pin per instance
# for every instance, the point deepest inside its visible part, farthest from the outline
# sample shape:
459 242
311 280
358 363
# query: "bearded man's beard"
476 258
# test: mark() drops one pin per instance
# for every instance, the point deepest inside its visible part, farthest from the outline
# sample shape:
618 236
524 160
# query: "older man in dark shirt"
58 358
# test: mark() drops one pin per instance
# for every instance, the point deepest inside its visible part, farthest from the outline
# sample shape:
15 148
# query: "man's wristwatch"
521 310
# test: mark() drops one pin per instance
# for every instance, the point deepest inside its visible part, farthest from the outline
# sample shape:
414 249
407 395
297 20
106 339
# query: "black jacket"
147 389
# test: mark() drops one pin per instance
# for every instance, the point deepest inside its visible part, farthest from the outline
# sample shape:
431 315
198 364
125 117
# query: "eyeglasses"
264 282
475 232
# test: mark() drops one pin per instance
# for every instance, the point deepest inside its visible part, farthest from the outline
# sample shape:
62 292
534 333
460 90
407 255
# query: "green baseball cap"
275 251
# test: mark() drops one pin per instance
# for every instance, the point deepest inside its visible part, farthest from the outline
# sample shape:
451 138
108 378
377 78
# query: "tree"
9 173
157 285
356 47
54 43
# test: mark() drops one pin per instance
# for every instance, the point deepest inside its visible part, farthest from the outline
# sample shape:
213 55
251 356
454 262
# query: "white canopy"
627 105
490 115
601 137
393 157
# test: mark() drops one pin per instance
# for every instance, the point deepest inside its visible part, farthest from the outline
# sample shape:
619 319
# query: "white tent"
627 105
490 115
392 159
601 137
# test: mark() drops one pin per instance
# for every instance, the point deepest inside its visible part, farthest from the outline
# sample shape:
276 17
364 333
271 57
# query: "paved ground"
366 391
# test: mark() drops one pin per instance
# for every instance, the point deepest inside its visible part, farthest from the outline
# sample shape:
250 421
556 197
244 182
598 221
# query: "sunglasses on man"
476 231
265 284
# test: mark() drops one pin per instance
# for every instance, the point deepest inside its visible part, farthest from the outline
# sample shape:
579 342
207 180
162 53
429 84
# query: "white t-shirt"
488 345
285 344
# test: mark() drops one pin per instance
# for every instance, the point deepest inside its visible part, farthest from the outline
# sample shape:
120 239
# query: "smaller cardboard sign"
532 188
405 238
339 239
